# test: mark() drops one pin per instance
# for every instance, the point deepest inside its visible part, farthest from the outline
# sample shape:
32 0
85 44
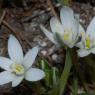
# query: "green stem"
60 87
65 73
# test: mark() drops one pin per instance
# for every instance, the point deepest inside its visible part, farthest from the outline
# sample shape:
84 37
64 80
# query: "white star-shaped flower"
67 31
18 66
87 43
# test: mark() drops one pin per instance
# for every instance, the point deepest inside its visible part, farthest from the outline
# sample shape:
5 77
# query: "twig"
2 17
12 30
23 37
52 9
26 19
15 33
9 27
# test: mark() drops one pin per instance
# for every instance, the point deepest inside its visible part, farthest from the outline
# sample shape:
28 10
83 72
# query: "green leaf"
55 75
48 78
52 73
44 64
75 87
64 2
90 68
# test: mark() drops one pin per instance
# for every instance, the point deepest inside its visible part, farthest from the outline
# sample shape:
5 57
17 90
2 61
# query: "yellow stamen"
87 43
66 36
18 69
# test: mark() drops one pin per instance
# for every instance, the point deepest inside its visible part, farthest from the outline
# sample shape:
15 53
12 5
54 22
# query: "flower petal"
75 32
5 63
17 80
56 26
91 28
83 52
34 74
6 77
49 35
80 45
67 17
30 57
93 50
70 25
15 49
75 26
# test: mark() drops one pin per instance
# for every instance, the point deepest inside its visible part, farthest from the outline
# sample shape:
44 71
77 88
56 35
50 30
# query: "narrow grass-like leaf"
75 87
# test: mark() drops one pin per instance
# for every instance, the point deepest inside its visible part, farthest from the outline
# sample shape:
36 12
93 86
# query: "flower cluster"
65 33
69 30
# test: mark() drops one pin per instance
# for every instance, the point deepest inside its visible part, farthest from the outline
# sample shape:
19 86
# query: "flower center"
18 69
87 43
66 36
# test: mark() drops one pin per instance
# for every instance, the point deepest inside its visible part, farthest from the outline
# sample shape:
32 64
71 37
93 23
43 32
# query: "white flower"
87 44
18 67
67 31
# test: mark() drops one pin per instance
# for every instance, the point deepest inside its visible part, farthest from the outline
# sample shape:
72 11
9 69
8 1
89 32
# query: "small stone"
42 44
93 8
82 21
37 39
81 91
44 52
57 58
54 57
52 50
1 51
